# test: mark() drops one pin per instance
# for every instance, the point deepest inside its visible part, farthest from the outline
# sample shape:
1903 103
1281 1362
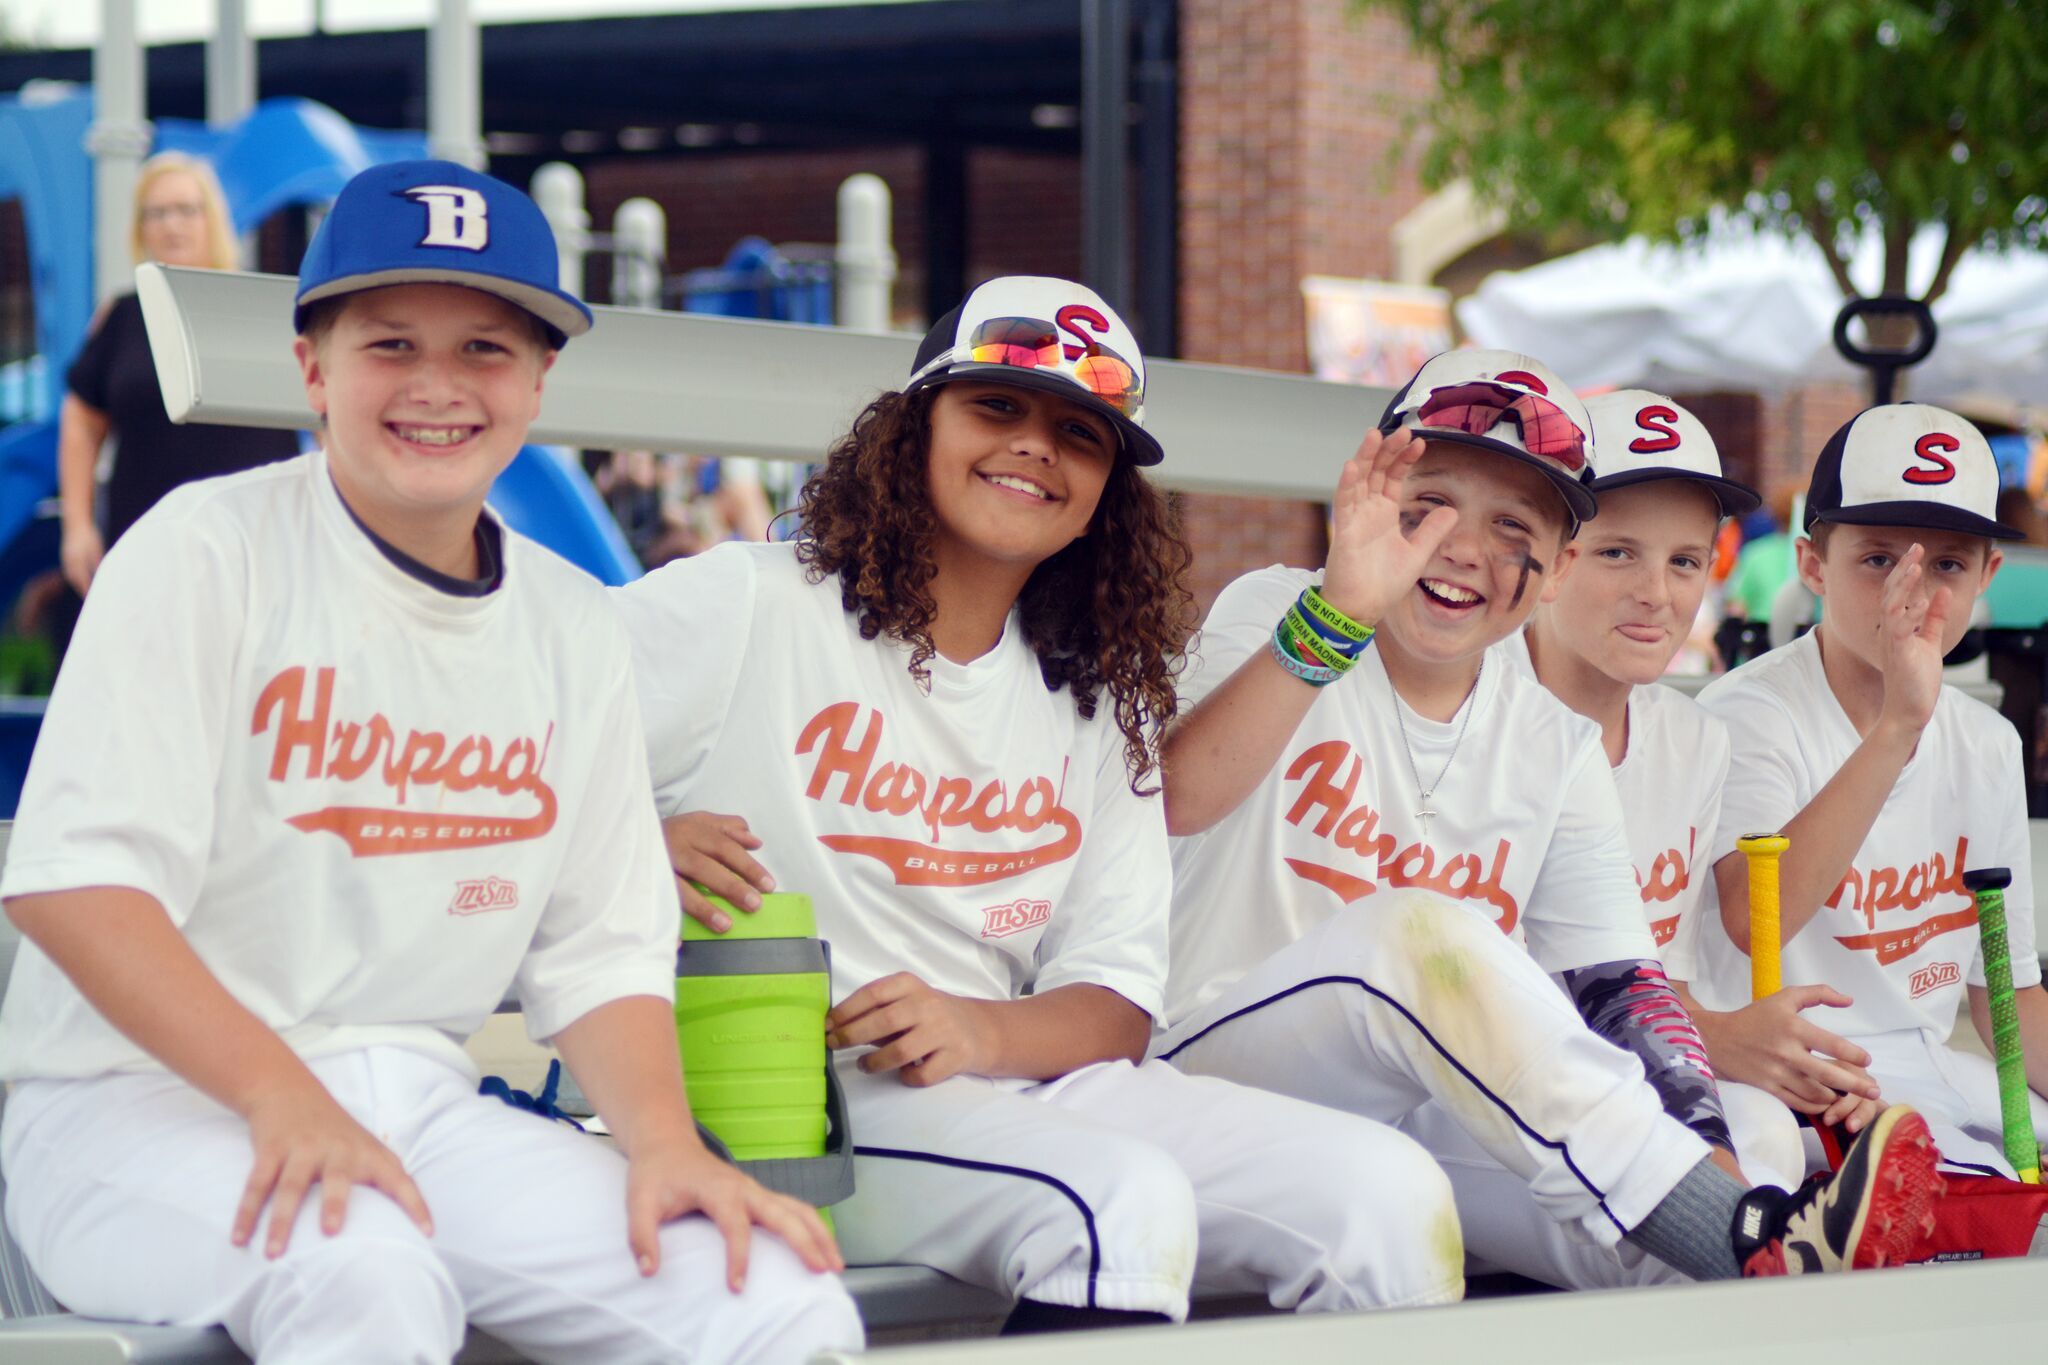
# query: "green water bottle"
750 1021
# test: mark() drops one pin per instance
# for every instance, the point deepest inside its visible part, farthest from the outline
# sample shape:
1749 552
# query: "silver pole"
558 188
639 253
230 65
867 261
117 141
454 85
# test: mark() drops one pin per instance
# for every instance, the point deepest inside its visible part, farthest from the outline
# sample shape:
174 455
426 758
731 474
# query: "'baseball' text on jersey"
899 790
1356 828
346 751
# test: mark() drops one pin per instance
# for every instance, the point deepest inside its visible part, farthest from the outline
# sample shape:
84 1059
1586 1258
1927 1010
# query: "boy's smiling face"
1504 555
428 390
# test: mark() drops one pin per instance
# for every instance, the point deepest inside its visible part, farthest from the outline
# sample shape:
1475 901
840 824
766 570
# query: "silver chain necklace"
1468 706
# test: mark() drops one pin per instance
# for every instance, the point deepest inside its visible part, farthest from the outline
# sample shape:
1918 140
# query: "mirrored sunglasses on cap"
1479 406
1036 344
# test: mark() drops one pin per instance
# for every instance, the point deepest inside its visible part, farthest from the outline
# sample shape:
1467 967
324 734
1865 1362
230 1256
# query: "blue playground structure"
286 153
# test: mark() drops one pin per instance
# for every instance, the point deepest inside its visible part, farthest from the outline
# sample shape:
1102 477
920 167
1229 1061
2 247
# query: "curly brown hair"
1110 611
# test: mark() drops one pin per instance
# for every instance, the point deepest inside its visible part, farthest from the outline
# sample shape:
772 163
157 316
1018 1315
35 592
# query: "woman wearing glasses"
937 712
182 219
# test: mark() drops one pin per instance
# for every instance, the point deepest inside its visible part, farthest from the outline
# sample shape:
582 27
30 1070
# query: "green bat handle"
2022 1149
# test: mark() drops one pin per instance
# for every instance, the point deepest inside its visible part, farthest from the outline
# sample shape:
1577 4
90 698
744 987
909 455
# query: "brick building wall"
1290 111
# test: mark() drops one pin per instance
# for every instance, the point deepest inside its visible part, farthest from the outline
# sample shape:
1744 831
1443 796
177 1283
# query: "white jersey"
1899 933
1670 783
981 835
1528 825
369 805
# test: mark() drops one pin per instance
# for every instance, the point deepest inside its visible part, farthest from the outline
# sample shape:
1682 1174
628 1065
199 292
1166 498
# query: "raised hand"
1373 558
1913 627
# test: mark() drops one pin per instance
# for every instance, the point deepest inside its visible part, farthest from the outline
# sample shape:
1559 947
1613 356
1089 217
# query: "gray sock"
1691 1230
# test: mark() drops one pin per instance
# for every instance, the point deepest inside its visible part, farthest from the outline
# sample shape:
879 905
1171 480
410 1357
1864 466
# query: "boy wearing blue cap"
337 760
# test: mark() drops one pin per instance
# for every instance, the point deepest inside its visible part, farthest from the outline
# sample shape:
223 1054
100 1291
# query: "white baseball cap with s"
1646 437
1908 464
1507 403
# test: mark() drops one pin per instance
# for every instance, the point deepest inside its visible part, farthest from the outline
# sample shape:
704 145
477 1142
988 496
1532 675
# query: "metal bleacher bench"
37 1330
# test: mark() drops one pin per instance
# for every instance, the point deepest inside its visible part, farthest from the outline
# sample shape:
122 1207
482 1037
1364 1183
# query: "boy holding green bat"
1888 784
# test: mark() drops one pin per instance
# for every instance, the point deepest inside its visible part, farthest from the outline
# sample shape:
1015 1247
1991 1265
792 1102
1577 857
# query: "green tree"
1831 118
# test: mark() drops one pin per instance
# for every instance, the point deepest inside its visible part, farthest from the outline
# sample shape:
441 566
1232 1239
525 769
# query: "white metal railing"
717 386
1892 1317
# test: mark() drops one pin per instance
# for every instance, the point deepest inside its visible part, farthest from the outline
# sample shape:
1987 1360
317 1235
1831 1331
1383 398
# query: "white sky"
75 23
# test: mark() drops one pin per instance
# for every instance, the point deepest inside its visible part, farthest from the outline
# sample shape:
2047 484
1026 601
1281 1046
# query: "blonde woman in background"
181 218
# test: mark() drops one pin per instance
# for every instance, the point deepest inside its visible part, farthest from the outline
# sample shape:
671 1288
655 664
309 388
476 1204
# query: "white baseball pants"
1123 1186
1410 997
1957 1093
122 1190
1505 1228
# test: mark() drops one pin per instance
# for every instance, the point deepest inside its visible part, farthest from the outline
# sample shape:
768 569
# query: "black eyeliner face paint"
1528 563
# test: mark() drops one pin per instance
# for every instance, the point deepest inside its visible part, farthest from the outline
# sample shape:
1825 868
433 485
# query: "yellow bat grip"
1765 937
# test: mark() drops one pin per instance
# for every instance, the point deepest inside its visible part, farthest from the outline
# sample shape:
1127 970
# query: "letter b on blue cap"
455 216
421 222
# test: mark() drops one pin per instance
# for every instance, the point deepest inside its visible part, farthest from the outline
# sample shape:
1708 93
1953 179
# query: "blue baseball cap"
436 222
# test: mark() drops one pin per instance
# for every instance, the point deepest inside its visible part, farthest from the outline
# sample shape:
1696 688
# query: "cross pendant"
1425 815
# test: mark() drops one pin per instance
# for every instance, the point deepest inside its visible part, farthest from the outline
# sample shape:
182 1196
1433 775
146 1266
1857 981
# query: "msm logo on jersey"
475 895
1000 921
1933 977
456 216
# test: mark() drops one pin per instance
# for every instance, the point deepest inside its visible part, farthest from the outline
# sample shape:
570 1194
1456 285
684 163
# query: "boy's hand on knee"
715 851
669 1180
922 1034
1770 1045
303 1138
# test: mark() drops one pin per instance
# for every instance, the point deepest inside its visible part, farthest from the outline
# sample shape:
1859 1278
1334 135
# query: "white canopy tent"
1750 311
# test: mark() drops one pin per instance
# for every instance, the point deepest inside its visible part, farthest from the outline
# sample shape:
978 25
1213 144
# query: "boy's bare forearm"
120 949
1040 1037
623 1055
1824 837
1217 754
